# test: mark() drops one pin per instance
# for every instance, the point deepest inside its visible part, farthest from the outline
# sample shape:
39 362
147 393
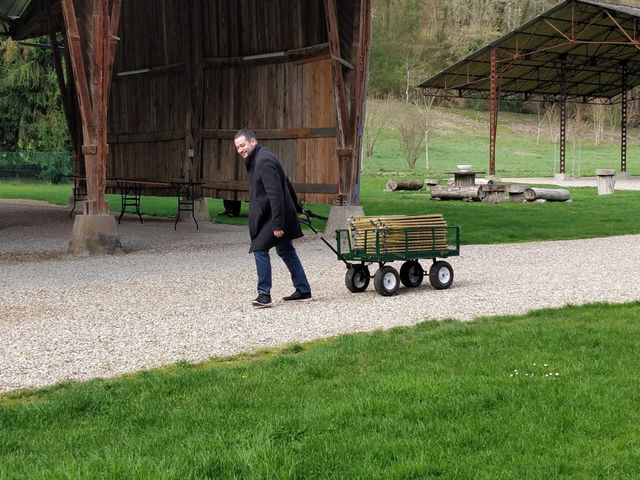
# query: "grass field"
462 137
549 395
588 215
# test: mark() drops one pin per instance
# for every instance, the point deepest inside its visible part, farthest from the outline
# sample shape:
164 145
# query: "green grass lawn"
552 394
588 215
462 137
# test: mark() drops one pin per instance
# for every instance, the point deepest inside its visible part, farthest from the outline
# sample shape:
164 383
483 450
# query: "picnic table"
130 190
464 178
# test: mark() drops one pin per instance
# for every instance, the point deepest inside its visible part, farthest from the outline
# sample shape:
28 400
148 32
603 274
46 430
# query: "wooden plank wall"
282 99
147 110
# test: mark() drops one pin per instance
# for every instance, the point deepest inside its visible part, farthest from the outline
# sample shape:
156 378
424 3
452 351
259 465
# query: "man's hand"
278 233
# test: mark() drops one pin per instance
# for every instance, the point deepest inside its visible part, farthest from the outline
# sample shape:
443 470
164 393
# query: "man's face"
244 146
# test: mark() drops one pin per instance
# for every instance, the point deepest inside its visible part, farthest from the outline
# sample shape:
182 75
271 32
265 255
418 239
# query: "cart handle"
307 221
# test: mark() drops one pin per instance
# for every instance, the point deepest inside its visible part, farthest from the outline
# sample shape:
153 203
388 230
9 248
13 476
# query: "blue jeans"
288 253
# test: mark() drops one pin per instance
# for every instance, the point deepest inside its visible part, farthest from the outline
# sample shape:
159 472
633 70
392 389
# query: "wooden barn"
154 91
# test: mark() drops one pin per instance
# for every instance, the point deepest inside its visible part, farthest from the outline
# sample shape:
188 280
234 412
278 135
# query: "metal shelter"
579 50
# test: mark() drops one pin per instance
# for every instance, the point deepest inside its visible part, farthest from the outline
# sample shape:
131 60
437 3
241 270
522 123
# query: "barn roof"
587 43
22 19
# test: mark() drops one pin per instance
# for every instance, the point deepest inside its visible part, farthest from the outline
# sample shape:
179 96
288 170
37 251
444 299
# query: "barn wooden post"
345 147
192 160
349 89
96 230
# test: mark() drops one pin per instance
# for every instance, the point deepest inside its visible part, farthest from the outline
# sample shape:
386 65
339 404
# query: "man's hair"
246 133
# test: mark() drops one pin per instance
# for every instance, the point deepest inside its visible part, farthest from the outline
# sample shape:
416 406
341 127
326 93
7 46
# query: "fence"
50 167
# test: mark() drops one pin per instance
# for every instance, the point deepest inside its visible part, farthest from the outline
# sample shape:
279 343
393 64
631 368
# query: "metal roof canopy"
583 44
579 50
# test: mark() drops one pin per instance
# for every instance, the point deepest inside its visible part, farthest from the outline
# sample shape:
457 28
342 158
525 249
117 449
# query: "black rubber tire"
357 278
411 274
441 275
386 281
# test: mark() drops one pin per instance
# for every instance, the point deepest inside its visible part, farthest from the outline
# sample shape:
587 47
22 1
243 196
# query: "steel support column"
493 113
563 114
623 118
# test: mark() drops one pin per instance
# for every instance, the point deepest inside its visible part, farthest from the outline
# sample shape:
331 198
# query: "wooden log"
442 192
516 193
550 194
484 181
494 193
403 184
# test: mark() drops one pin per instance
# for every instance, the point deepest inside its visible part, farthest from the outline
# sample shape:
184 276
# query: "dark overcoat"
271 205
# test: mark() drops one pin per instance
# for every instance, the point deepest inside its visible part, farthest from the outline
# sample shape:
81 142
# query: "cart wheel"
357 278
411 274
441 275
386 281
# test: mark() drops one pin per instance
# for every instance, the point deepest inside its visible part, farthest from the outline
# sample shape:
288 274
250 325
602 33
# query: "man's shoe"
262 301
298 296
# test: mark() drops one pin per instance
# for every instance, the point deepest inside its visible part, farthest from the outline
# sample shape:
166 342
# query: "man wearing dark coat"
273 218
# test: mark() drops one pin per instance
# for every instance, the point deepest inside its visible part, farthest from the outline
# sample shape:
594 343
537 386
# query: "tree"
376 122
410 128
425 105
31 116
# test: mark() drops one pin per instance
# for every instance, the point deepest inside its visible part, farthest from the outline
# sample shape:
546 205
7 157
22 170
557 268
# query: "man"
273 218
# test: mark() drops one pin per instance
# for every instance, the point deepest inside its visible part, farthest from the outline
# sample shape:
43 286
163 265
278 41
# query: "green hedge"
50 167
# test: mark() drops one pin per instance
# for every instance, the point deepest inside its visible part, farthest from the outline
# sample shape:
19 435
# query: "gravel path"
186 295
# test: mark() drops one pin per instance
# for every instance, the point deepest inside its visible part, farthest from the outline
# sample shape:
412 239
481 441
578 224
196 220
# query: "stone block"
95 235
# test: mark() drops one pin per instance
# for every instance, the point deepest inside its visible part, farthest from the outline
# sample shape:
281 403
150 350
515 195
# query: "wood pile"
398 233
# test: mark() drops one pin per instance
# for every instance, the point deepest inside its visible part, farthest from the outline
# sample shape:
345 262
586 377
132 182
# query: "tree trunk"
551 194
393 185
442 192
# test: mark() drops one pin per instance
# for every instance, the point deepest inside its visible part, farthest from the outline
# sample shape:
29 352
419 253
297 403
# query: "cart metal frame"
375 250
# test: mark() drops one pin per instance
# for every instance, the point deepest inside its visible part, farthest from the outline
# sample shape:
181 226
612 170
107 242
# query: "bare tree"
376 122
410 128
597 115
425 105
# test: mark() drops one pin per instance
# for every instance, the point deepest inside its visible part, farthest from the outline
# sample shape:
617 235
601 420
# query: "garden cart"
425 237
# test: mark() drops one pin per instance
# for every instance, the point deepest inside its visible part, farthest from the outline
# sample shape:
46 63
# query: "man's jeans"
287 252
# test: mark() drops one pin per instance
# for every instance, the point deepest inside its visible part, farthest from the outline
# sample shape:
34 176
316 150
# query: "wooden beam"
152 71
305 54
359 95
194 151
274 133
101 75
330 188
77 63
338 79
114 21
152 137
